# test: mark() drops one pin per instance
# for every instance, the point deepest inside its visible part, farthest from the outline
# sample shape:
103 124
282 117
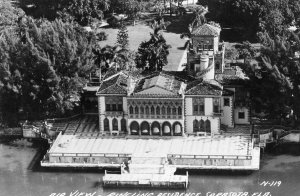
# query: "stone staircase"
150 165
146 170
239 129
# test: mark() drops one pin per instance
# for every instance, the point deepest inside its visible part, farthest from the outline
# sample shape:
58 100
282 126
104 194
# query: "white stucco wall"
227 118
125 109
101 105
216 44
241 121
208 104
215 123
101 112
188 111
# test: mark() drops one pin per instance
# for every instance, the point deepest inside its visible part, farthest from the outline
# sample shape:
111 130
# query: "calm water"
20 177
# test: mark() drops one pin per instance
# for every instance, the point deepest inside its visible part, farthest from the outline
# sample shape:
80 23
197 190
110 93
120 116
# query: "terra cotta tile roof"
116 84
201 87
206 30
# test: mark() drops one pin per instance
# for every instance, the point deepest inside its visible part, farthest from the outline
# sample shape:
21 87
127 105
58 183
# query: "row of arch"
155 128
115 124
158 110
201 126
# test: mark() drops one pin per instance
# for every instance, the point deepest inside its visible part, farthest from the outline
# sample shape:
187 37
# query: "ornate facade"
195 101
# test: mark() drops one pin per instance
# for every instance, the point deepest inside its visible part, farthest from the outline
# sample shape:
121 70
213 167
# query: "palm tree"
152 54
113 57
200 18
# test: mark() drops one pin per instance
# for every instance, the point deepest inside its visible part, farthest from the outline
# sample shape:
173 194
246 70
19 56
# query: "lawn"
141 32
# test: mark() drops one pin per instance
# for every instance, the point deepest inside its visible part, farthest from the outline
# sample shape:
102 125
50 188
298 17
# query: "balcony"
114 113
218 113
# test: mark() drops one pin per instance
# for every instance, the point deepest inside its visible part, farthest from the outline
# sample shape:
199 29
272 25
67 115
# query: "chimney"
130 85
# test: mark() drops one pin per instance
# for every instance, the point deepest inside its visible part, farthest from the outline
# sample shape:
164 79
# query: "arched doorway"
166 128
123 125
202 125
115 124
106 124
145 128
196 126
155 128
134 128
207 126
177 129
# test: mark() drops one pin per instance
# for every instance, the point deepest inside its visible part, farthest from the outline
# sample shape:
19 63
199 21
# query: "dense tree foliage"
83 11
275 80
9 15
253 16
43 67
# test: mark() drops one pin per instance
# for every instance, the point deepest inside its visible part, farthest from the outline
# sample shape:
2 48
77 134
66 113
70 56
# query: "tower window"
226 102
218 66
241 115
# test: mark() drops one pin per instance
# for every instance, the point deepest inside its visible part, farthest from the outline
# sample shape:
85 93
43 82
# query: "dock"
146 171
149 180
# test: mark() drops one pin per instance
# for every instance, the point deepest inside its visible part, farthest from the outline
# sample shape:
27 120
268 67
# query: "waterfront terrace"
218 152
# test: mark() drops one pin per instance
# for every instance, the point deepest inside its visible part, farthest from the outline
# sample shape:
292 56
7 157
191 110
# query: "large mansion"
207 96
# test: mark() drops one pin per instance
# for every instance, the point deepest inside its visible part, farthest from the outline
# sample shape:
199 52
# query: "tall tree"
246 51
152 54
44 71
133 9
83 11
122 37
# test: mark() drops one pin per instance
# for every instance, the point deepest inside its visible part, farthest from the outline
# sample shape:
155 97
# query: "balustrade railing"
114 113
147 116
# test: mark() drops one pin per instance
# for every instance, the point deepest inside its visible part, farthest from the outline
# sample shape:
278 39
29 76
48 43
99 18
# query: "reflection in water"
19 176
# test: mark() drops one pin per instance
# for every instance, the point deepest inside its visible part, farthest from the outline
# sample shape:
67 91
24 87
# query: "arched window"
142 110
157 110
169 110
218 65
195 126
163 110
130 110
174 111
106 124
136 109
207 126
179 111
202 128
152 110
123 125
147 110
115 124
